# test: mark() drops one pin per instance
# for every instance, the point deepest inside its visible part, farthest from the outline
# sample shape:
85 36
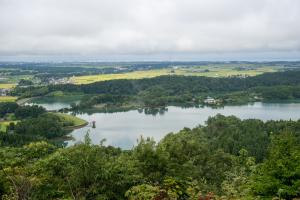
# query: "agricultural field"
7 85
4 124
7 99
209 71
129 75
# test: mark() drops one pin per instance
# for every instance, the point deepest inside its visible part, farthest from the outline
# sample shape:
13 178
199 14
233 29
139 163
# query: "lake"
122 129
51 105
55 103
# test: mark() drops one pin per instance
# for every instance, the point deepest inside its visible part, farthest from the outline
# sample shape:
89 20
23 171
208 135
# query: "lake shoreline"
122 129
76 127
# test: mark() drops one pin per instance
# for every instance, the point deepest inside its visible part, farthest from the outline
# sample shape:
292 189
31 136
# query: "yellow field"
130 75
7 99
225 72
4 124
7 85
214 72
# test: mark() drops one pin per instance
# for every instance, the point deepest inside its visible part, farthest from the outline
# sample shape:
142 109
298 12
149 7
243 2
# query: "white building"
4 91
210 100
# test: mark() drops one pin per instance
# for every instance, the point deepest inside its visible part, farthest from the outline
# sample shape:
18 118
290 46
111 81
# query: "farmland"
7 85
186 71
4 124
7 99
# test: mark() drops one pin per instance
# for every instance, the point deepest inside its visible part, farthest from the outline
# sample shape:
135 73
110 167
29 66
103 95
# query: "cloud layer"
145 27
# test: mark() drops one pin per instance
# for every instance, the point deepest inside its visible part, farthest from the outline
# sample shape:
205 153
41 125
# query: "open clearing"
7 85
195 71
70 118
4 124
7 99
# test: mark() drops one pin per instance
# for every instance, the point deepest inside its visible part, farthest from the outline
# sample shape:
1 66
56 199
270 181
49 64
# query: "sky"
150 29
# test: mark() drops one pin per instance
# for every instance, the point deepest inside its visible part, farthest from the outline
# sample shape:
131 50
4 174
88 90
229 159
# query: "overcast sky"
151 29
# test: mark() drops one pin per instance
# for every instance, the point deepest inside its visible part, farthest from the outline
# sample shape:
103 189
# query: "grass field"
129 75
7 99
7 85
4 124
194 71
70 118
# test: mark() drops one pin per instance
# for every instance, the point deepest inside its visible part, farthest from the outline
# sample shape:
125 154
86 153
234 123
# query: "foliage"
7 107
173 89
25 82
48 126
28 111
280 173
206 162
143 191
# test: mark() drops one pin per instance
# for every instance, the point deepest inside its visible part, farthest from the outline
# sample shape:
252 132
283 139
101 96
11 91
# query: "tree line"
29 123
189 90
227 158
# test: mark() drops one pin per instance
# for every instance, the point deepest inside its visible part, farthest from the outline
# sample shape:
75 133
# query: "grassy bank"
72 122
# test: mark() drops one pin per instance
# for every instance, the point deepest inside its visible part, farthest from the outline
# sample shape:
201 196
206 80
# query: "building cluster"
211 101
54 81
4 91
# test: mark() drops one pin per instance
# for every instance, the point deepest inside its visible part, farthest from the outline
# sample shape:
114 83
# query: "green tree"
152 160
279 175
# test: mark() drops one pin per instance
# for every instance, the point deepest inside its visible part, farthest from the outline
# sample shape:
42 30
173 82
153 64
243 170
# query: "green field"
208 71
7 85
4 124
129 75
70 118
7 99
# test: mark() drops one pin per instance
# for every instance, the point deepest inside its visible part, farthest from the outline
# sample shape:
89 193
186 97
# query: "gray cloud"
145 27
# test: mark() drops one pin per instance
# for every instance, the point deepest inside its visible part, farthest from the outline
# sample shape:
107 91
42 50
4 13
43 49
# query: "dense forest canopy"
229 157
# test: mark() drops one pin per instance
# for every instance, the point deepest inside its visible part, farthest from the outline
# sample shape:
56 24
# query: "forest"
227 158
179 90
29 123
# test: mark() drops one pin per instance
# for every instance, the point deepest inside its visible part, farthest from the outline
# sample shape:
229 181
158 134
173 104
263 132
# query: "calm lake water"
54 103
122 129
51 105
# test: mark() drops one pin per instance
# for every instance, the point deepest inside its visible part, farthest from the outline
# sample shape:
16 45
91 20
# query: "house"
210 100
54 81
4 92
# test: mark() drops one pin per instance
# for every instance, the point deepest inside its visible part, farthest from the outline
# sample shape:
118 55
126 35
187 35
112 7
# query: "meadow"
209 71
7 99
7 85
4 124
75 121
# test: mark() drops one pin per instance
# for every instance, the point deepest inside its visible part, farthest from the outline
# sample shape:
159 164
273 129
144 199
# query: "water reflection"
122 129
